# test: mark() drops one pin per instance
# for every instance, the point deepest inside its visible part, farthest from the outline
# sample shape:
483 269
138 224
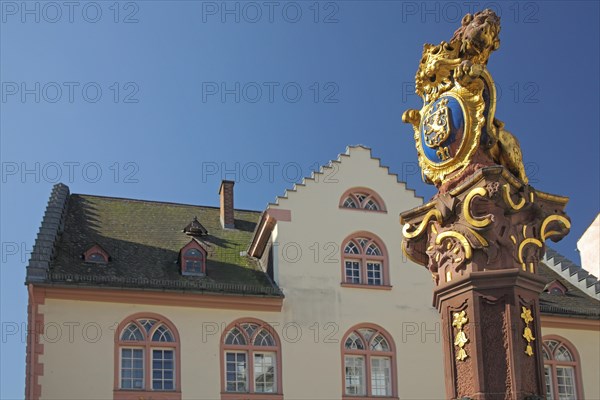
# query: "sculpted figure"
453 80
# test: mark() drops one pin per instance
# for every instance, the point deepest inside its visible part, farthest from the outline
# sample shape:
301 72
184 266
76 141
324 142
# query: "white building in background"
310 299
589 248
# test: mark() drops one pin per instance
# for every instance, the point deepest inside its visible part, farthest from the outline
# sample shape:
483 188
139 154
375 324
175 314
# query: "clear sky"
160 100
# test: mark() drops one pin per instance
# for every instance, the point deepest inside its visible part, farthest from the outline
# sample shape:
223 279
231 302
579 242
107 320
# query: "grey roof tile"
574 303
50 229
574 273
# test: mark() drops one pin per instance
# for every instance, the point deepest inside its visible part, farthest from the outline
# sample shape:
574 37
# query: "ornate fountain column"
483 234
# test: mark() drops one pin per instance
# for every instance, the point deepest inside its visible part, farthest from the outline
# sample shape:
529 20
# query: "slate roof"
143 239
573 273
574 303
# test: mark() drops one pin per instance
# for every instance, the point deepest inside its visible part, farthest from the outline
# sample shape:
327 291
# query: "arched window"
562 370
146 356
193 259
368 356
362 199
251 359
364 261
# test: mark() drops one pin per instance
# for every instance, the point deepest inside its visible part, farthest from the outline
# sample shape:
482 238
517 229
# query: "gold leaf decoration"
460 339
527 333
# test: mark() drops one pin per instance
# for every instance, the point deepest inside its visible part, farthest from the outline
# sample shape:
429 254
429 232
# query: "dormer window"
556 288
362 199
96 254
193 259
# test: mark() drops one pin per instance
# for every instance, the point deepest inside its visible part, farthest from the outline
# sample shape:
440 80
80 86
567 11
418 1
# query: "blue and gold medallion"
442 129
449 133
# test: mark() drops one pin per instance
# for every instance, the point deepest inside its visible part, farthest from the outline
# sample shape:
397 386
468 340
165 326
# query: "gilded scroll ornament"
460 339
476 222
461 239
523 244
527 333
509 200
545 233
408 233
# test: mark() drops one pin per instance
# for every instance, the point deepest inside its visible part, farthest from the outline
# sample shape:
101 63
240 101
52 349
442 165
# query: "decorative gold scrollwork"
466 209
460 339
550 219
421 228
527 333
509 200
480 238
522 245
463 241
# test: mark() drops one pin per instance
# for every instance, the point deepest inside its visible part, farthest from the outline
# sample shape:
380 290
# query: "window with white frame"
163 369
132 368
561 368
252 358
148 351
355 375
236 371
368 363
364 262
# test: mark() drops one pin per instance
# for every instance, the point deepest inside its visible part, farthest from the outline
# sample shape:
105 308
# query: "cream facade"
301 242
586 343
310 246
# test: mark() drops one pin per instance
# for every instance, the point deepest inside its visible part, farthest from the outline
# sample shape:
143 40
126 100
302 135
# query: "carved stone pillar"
483 234
482 242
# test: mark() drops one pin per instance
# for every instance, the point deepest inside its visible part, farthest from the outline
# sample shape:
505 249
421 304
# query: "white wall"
589 248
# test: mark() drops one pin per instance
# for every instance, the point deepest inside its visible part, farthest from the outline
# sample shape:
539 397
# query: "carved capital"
492 221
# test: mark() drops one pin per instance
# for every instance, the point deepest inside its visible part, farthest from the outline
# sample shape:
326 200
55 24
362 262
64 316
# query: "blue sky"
160 100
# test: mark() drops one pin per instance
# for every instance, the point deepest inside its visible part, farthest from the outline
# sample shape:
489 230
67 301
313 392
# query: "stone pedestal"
497 362
482 242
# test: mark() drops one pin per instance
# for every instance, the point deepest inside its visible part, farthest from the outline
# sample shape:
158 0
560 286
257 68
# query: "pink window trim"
363 258
371 194
366 286
250 348
95 249
193 245
147 345
368 353
554 363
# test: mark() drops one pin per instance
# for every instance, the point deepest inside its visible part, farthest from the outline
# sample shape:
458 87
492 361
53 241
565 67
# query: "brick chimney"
226 192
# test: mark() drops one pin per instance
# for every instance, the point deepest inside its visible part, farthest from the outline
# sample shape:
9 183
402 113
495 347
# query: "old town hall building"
311 298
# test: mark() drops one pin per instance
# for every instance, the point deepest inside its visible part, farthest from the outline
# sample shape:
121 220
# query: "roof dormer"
192 259
556 287
195 228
